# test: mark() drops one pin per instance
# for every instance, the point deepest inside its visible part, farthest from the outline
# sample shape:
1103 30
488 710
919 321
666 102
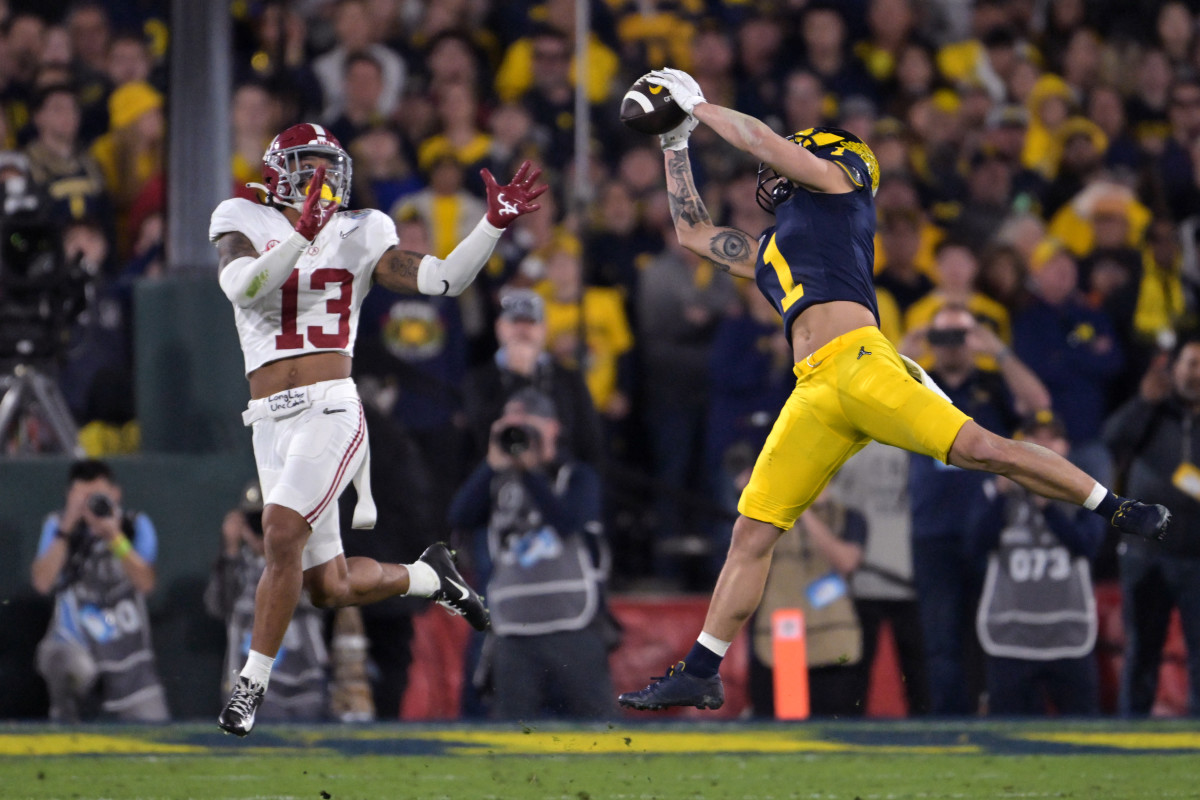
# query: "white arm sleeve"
455 273
247 280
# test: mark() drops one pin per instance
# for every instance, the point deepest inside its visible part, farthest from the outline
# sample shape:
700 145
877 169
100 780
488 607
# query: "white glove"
683 87
677 137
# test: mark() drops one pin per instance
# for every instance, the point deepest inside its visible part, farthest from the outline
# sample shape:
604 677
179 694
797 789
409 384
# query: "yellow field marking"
72 744
654 742
1131 740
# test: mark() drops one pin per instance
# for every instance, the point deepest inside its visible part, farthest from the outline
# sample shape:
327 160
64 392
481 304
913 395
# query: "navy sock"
701 662
1109 505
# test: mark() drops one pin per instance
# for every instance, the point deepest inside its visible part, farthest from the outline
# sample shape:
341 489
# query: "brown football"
649 109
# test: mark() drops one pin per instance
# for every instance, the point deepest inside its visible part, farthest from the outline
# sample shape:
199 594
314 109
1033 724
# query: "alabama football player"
296 268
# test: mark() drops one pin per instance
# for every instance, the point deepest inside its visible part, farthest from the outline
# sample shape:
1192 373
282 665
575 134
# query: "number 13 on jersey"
792 291
292 339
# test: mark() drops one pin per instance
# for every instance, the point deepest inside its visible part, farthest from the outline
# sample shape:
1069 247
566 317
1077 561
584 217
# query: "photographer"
98 560
299 677
947 581
541 511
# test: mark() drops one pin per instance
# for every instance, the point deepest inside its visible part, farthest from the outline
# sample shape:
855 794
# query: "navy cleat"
677 688
1142 519
238 716
455 595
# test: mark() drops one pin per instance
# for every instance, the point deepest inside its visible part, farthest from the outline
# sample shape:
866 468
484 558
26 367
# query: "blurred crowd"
1037 243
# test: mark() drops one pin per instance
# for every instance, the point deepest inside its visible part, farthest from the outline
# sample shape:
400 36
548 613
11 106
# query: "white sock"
422 580
713 643
1093 499
258 668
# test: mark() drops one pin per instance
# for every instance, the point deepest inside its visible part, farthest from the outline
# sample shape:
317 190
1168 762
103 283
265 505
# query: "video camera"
41 293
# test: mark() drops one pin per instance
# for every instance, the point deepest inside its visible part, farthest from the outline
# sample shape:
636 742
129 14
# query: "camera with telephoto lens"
947 337
516 439
100 504
42 292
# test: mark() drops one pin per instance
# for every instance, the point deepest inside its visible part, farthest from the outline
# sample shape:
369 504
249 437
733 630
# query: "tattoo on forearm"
232 246
397 270
729 248
685 202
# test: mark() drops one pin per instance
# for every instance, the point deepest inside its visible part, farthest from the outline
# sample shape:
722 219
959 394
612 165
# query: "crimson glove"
316 211
506 203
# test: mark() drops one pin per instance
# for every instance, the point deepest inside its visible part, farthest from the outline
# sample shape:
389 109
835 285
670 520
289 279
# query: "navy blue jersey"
821 248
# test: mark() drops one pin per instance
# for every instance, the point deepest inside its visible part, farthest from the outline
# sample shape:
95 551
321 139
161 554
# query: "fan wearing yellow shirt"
586 328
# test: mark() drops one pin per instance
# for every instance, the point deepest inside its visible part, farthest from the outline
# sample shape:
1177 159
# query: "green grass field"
1103 759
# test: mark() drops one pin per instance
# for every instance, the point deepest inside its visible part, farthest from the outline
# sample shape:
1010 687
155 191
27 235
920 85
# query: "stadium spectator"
362 89
300 675
414 349
519 68
132 154
1073 350
59 163
810 570
900 240
681 301
1037 617
522 361
957 271
129 60
947 580
97 559
97 372
586 329
91 33
385 169
354 34
874 482
539 510
1153 439
459 135
825 49
254 116
278 55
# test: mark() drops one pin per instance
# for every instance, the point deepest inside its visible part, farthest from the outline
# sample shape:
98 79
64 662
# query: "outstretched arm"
753 136
406 271
730 249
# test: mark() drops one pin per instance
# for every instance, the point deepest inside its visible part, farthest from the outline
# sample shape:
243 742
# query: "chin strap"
298 206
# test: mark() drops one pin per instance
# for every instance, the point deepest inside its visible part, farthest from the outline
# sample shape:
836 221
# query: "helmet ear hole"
781 191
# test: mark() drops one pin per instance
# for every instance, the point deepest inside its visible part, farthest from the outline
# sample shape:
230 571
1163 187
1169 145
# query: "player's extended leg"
806 446
743 577
1050 475
285 534
358 581
1036 468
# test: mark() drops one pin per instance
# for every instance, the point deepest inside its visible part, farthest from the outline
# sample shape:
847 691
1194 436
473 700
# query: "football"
649 109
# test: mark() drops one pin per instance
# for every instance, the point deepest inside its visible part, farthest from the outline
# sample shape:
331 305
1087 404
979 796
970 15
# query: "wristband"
120 546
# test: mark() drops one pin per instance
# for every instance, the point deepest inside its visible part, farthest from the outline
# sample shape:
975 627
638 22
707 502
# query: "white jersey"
316 309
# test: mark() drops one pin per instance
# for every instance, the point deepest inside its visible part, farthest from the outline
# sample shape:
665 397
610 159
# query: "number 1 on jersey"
792 291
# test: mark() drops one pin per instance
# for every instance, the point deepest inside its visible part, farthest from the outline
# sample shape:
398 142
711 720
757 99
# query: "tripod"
25 392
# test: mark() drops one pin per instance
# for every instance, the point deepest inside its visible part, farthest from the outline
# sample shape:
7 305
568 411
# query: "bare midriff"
819 325
289 373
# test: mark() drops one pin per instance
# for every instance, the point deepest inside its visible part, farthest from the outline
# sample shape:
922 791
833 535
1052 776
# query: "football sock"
258 668
704 659
1103 502
422 580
